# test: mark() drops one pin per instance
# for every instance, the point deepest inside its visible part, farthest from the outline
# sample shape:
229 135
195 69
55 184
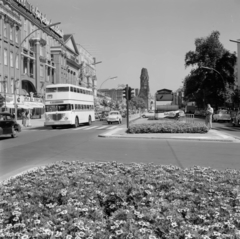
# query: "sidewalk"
35 123
212 135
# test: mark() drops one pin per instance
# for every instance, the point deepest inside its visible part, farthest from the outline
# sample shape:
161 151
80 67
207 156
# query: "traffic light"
125 93
130 93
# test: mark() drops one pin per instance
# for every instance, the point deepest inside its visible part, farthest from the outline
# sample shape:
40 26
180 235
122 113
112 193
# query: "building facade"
87 72
10 37
43 55
116 94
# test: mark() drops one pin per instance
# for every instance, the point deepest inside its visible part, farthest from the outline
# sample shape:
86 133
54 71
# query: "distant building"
87 72
115 94
136 91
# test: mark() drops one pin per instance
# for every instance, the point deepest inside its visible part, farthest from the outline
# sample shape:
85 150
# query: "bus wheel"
76 123
89 120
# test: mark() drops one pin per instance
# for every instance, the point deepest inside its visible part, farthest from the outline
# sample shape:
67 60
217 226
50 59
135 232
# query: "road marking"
103 127
113 127
90 128
80 128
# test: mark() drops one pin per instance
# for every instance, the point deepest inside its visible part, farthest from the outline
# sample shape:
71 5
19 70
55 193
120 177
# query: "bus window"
63 89
75 89
50 108
80 91
71 88
83 91
50 90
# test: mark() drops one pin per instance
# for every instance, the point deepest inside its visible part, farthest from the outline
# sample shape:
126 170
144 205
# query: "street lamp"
111 78
20 49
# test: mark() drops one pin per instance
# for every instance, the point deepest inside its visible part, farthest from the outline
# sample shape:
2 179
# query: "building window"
41 50
17 65
11 33
16 36
11 59
41 70
4 29
5 57
12 85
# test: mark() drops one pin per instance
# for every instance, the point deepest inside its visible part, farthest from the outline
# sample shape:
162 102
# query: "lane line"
81 128
91 127
103 127
113 127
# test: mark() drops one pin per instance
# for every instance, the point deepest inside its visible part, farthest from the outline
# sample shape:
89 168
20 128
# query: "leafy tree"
215 83
111 104
137 102
117 105
104 103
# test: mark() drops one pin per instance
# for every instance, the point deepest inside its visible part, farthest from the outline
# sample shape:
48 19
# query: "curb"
220 137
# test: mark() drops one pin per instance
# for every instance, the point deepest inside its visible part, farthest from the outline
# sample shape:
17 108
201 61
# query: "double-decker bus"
67 104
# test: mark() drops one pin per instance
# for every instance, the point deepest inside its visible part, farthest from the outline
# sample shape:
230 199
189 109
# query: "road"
43 146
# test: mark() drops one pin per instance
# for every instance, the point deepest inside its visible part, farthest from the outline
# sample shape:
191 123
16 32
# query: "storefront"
33 104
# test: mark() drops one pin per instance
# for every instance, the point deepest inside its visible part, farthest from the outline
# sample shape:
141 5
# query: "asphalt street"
42 146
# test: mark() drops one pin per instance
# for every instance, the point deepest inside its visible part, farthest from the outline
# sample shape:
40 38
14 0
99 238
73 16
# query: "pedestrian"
209 114
28 116
24 118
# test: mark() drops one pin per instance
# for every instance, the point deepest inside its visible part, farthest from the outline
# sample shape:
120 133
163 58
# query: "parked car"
8 125
222 115
114 116
147 114
236 119
103 116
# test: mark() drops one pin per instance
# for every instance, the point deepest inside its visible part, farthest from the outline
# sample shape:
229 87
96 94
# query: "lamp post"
19 50
111 78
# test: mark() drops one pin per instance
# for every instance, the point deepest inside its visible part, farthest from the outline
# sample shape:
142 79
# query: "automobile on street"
114 116
222 115
8 125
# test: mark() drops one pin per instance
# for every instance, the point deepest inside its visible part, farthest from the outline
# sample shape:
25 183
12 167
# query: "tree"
138 103
104 103
111 104
213 85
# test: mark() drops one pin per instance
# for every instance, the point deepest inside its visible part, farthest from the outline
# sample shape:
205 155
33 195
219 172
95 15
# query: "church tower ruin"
144 92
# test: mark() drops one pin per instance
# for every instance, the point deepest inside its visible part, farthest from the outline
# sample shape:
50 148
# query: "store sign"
39 15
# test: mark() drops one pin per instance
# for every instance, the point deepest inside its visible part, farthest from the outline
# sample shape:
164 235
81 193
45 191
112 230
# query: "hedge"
168 127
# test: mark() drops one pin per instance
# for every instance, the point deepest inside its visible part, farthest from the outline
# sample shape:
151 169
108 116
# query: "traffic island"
201 135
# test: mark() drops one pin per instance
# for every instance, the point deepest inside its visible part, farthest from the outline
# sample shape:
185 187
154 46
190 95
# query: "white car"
148 114
114 116
222 115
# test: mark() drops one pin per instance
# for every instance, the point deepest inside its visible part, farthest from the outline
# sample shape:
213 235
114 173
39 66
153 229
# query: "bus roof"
62 85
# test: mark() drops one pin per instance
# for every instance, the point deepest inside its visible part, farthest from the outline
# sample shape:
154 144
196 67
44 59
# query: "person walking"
209 114
28 116
24 118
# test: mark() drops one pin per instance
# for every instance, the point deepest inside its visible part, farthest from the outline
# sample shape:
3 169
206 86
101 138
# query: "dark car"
8 125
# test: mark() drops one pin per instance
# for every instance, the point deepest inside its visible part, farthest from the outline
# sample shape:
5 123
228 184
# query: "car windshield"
113 113
6 117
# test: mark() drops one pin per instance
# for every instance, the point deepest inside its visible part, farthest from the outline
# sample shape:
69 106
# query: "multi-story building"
44 55
10 35
88 70
115 94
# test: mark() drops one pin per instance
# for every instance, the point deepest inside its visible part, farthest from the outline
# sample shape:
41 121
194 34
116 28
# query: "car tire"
89 120
14 134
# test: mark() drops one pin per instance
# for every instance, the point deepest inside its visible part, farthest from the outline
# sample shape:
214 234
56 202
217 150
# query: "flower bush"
110 200
168 127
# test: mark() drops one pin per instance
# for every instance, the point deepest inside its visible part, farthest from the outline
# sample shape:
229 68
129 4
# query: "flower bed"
112 200
168 127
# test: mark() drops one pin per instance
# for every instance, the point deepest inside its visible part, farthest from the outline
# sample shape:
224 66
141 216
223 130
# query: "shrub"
113 200
168 127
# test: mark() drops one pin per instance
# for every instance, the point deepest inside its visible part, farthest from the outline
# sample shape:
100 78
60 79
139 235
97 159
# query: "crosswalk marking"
103 127
91 128
106 127
80 128
113 127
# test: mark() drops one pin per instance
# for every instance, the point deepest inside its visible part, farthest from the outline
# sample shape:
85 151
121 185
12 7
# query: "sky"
128 35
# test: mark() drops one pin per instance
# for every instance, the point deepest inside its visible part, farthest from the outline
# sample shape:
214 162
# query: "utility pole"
127 96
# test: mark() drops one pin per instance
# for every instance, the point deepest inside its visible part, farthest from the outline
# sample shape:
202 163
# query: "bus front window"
66 107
